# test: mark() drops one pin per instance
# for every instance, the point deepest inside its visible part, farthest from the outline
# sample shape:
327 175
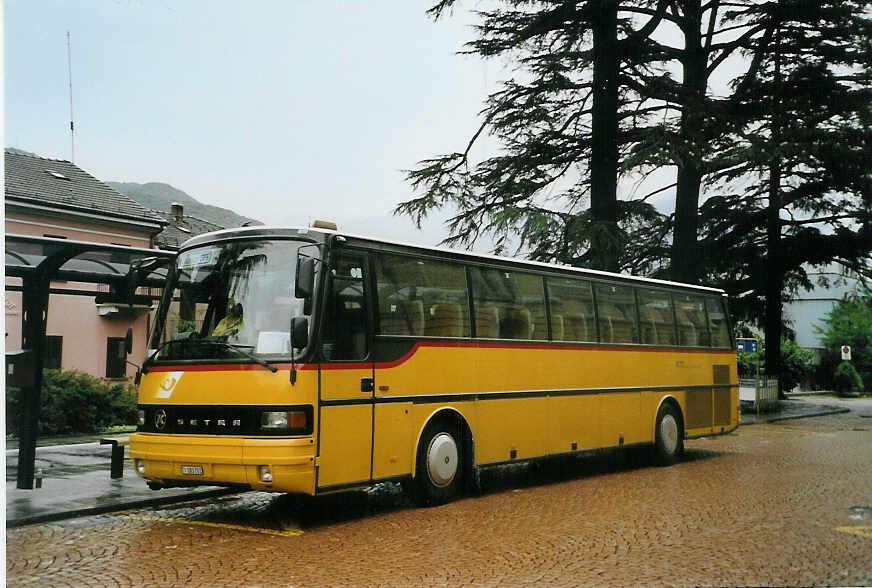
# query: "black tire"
440 467
668 435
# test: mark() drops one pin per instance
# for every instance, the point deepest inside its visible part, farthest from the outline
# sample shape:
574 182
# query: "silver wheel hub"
442 460
669 433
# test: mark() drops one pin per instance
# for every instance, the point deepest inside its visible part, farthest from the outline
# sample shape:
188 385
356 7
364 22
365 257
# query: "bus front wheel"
668 435
440 458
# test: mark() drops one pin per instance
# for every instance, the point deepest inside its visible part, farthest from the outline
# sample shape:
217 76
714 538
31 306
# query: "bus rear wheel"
668 435
439 471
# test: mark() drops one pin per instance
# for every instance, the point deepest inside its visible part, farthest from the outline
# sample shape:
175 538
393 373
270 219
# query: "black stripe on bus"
469 396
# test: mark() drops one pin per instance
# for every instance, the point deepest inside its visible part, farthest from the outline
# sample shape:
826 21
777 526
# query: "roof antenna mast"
72 126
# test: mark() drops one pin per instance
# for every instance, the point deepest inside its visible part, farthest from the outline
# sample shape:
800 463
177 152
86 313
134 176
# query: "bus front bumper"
212 460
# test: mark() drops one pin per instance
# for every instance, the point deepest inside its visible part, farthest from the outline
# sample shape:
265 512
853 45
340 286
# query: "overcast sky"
284 111
281 110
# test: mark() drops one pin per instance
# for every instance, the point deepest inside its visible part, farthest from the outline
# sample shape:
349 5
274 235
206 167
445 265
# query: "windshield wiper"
193 339
243 350
181 340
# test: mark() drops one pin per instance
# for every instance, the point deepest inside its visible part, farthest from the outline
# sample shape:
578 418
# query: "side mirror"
305 282
299 332
128 341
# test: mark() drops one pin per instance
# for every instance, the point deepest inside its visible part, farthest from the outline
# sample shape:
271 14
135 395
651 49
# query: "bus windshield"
230 300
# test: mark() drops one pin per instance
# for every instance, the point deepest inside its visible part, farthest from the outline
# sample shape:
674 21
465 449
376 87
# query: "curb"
107 508
797 416
811 414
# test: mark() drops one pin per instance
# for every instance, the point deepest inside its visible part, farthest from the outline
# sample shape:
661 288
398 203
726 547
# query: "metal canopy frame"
38 261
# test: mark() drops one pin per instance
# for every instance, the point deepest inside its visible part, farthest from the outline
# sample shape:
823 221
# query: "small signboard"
846 353
746 345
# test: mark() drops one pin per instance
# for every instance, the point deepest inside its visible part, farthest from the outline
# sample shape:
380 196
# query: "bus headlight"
139 464
296 420
264 473
140 417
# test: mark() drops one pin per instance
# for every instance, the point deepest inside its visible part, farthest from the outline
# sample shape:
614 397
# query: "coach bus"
307 360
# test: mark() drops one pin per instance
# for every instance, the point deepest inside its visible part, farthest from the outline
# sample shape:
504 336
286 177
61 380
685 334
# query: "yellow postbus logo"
169 384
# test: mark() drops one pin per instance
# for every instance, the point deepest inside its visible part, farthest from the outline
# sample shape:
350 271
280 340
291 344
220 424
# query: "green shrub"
76 402
797 364
848 323
846 379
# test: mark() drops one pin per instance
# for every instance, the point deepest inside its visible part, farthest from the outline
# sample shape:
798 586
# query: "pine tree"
798 159
562 122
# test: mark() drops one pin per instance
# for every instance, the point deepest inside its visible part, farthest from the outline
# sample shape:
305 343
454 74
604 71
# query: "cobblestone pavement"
772 504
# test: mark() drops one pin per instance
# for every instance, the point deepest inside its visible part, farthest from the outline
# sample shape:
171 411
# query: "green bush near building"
846 380
76 402
848 323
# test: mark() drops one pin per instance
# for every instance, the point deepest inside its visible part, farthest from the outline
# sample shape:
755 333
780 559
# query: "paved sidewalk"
75 482
805 406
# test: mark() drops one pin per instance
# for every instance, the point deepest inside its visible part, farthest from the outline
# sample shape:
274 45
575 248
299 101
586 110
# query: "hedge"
76 402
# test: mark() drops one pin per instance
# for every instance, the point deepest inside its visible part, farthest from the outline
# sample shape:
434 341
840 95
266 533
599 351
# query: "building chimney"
178 211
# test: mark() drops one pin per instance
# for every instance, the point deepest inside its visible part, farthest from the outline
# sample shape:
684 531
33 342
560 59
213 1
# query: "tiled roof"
177 232
59 183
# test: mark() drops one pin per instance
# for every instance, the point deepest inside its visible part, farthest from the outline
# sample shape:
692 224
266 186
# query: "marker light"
139 464
264 473
140 417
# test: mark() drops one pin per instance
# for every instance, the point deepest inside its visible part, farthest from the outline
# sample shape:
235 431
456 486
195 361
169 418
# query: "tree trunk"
774 277
774 265
685 257
605 241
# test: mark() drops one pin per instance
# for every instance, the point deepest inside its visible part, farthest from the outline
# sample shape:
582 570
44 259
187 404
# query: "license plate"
192 470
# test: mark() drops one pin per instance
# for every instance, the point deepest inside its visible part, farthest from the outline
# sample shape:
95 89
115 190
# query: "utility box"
20 368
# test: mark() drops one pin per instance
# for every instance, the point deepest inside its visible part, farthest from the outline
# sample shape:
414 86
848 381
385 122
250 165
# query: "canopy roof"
82 261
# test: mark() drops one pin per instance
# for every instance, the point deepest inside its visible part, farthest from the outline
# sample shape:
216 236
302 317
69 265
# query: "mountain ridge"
160 196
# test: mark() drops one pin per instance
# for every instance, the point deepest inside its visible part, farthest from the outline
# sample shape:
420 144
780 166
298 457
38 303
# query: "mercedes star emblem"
160 419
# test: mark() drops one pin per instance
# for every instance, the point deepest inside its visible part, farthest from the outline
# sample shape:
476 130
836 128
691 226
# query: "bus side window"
421 297
571 310
616 311
655 312
509 305
691 321
717 322
345 320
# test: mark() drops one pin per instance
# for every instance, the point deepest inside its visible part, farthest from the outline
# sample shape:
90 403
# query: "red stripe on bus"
227 367
361 365
501 345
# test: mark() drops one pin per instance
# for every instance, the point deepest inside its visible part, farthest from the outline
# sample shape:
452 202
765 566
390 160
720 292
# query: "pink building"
54 198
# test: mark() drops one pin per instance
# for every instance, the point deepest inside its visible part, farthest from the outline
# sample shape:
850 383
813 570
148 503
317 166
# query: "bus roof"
296 231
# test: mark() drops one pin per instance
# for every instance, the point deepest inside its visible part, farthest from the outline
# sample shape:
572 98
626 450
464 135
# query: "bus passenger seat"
445 320
414 315
392 321
650 318
487 322
666 332
578 329
517 324
557 327
687 336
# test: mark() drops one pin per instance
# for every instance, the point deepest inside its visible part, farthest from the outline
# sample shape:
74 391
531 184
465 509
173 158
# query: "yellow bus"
308 360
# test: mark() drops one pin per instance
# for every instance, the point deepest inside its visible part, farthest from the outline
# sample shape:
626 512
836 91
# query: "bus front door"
346 373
